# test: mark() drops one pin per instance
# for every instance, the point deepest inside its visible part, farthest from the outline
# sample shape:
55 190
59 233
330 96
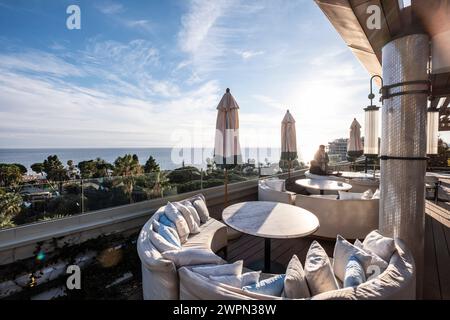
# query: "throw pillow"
382 246
272 286
349 195
376 265
193 211
295 285
231 269
161 244
358 244
202 210
187 215
192 256
343 250
354 273
167 233
367 195
239 281
166 221
377 194
318 270
177 218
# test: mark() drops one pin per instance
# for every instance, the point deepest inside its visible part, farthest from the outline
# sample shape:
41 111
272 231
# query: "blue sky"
150 73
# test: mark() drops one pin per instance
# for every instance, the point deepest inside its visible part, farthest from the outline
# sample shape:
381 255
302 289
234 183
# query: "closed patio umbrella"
227 150
288 140
355 147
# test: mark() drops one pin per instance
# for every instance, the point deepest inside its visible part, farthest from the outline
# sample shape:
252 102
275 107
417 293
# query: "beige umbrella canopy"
354 145
288 140
227 150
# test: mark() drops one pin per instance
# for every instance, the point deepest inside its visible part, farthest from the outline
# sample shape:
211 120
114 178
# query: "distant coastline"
163 156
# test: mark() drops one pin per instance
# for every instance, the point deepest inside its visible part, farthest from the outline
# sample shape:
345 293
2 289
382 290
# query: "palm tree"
10 206
127 167
161 183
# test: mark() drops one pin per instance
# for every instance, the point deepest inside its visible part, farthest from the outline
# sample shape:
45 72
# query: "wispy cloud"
116 11
109 7
144 25
247 54
38 62
97 115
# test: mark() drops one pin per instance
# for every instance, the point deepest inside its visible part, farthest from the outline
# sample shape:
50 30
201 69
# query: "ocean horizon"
167 158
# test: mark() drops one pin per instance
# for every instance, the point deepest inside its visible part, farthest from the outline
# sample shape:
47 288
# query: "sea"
167 158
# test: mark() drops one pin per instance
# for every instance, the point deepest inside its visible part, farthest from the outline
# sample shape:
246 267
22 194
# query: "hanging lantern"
432 130
371 133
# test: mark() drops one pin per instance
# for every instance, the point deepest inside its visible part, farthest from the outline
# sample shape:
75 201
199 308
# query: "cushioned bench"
352 219
397 282
159 275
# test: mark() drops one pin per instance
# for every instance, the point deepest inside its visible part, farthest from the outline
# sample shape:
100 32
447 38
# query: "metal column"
403 144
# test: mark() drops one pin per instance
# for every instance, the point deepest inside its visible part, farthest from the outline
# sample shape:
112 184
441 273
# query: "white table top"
357 175
270 219
326 185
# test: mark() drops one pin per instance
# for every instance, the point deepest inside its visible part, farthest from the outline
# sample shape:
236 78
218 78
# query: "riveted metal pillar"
403 144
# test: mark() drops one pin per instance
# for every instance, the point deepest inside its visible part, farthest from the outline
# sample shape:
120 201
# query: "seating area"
350 214
184 254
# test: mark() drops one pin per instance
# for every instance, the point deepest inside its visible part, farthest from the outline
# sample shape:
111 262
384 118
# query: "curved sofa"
397 282
159 276
352 219
362 185
265 193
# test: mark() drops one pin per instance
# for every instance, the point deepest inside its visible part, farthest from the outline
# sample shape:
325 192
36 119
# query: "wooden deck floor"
437 251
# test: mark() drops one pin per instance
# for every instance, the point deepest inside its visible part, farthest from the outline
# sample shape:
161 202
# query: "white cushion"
382 246
354 273
343 250
177 218
272 286
230 269
295 285
367 195
318 270
160 243
377 194
194 228
202 210
193 211
275 184
238 281
377 265
168 233
192 256
358 244
349 195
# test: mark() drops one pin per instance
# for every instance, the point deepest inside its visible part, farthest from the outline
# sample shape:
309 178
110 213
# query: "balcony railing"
49 200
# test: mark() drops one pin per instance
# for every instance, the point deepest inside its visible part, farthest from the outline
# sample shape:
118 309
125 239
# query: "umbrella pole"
226 187
289 169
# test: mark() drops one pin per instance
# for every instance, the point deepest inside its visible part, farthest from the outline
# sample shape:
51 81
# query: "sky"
151 73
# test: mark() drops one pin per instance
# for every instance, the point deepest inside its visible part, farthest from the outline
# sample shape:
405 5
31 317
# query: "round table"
355 175
323 185
270 220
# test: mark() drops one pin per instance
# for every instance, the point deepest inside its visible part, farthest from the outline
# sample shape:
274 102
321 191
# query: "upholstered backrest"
352 219
266 193
160 272
361 185
396 282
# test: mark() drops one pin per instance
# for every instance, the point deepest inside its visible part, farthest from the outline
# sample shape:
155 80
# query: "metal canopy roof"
349 18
